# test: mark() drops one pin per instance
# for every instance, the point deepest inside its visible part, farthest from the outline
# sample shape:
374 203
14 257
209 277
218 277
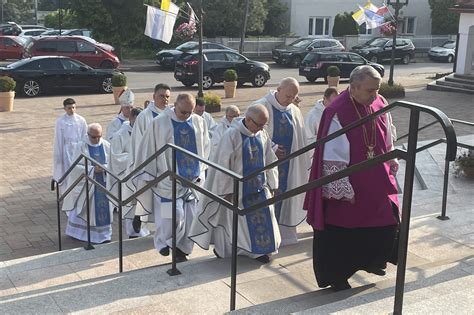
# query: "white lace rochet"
340 189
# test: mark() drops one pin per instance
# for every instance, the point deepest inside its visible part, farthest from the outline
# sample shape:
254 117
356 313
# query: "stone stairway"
453 83
439 275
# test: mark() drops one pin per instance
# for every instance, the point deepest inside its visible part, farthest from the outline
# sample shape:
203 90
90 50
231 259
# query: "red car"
11 47
84 49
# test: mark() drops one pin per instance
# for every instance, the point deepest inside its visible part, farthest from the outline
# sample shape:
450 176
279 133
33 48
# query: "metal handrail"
409 155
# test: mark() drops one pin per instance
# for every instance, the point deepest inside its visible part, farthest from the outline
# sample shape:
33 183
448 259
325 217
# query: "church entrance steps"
453 83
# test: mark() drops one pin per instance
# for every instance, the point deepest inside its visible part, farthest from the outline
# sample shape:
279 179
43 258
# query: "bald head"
256 117
94 127
287 91
94 132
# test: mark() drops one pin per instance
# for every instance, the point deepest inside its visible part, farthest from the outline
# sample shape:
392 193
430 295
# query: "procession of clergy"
271 128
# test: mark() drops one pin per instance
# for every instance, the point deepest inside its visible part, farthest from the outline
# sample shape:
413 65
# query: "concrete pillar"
466 44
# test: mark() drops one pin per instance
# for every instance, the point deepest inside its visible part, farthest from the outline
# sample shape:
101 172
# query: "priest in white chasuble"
177 125
286 129
244 148
120 165
126 100
75 205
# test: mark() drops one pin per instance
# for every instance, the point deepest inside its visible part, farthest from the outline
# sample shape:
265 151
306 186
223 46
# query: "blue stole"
121 120
185 138
101 203
259 222
282 135
153 113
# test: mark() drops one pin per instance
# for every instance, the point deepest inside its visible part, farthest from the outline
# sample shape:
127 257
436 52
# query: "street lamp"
397 5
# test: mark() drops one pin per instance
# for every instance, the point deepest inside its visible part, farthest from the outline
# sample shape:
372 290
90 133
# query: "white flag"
160 24
192 15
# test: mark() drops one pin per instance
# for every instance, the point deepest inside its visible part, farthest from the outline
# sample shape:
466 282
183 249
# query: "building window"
408 26
363 29
318 26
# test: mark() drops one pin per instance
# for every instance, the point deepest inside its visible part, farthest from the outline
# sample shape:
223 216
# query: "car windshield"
187 46
18 63
449 44
303 42
376 42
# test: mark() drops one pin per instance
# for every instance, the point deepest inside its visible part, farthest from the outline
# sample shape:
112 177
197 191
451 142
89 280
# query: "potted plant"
119 84
230 83
213 102
333 75
7 93
464 164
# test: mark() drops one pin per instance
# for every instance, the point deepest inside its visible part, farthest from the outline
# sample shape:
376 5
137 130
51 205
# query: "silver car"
445 52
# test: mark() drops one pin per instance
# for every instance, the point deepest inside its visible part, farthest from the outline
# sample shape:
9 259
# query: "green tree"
68 20
344 24
17 11
443 21
276 23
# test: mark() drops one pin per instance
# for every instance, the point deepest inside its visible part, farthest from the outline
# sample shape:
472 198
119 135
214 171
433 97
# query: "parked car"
315 64
81 48
30 27
379 49
77 31
167 58
216 62
53 32
10 28
32 32
43 74
445 52
294 53
11 47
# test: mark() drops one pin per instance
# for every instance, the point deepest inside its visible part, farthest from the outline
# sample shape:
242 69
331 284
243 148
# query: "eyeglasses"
164 96
231 116
94 137
257 124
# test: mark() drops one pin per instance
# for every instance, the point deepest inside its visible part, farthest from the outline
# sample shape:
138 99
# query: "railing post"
406 210
89 245
443 215
55 184
173 271
235 225
120 226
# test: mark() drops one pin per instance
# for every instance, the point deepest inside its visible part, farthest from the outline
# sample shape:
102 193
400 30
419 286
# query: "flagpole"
201 59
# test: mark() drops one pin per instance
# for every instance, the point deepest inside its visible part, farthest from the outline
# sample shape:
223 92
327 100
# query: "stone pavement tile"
43 278
17 242
6 286
99 267
36 304
5 249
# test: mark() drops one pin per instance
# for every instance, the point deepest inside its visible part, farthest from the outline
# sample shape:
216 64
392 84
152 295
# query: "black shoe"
340 286
180 256
165 251
137 224
215 253
264 259
131 237
376 271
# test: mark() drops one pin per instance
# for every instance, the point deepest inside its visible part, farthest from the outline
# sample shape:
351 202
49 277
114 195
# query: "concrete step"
435 87
455 84
459 79
464 76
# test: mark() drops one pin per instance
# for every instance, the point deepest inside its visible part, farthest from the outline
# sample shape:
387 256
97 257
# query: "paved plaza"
441 253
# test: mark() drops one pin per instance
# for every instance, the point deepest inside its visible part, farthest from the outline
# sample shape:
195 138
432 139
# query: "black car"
315 65
379 49
294 53
38 75
167 58
216 62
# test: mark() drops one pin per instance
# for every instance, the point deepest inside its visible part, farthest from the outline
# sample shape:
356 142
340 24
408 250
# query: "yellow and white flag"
359 15
160 23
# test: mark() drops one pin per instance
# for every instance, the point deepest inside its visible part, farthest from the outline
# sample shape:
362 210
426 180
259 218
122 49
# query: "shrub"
392 91
212 101
230 75
333 71
119 80
463 161
7 84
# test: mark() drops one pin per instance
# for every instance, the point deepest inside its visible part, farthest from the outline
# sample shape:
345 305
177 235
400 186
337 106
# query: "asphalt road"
146 80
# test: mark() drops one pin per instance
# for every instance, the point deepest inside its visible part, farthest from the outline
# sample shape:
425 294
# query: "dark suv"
216 62
296 51
379 49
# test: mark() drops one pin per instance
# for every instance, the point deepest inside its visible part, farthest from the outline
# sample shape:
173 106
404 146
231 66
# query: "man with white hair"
354 218
126 100
177 125
75 202
231 112
286 129
243 149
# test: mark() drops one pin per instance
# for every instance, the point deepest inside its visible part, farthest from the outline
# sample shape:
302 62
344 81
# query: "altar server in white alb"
243 149
71 128
180 126
75 202
200 110
161 96
286 129
121 148
126 100
231 112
